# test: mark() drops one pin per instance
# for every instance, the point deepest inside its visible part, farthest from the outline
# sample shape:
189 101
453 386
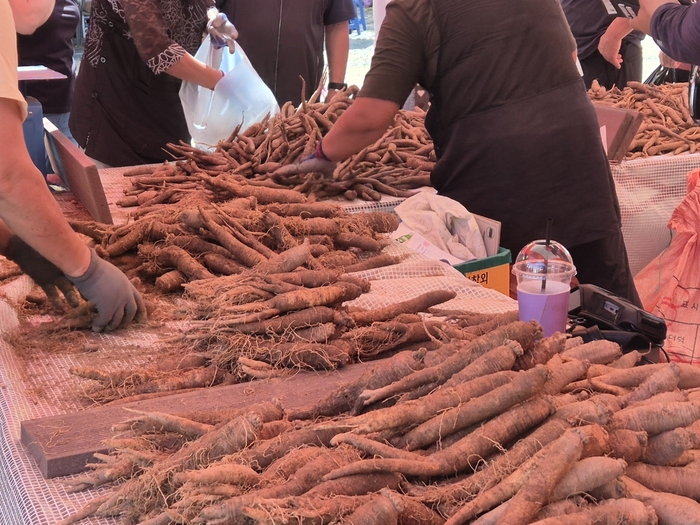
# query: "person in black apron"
516 136
126 103
51 45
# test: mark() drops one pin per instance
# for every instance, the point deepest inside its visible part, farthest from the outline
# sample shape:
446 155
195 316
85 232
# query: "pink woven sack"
669 285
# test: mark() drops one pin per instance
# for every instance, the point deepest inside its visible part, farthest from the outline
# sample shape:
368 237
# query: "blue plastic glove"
316 162
117 301
221 31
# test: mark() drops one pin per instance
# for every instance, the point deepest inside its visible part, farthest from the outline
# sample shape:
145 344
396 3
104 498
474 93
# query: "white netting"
649 189
40 385
26 498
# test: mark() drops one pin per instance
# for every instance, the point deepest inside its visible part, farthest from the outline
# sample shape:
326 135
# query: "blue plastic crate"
33 128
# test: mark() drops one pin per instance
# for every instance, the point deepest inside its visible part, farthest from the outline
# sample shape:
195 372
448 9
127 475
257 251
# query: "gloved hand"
316 162
221 31
43 272
116 299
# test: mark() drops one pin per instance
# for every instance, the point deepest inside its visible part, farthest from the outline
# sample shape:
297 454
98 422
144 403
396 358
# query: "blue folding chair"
358 23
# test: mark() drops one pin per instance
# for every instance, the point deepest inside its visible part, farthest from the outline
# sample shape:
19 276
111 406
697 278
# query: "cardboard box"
490 272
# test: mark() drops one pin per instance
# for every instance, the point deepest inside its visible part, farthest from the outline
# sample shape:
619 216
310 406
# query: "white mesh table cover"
648 191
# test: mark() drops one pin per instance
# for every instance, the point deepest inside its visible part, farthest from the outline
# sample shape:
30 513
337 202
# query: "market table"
36 387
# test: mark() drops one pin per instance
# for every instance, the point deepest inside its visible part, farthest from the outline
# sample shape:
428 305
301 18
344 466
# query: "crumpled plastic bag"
669 286
445 223
239 98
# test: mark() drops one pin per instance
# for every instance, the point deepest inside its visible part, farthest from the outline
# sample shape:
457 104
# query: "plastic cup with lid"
544 271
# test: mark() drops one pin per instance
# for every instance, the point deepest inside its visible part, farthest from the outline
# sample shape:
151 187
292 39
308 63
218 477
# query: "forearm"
30 14
610 42
192 70
619 28
362 124
647 8
337 50
41 225
676 29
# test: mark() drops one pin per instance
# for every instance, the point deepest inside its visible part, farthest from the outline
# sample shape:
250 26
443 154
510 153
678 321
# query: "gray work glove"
316 162
43 272
221 31
116 299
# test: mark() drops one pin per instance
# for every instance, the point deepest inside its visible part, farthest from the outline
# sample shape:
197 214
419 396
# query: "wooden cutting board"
621 126
78 172
62 445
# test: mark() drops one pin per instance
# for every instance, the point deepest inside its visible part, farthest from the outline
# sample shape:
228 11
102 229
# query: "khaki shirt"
8 59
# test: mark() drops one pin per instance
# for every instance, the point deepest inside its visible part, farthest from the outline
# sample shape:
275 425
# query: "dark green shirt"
406 52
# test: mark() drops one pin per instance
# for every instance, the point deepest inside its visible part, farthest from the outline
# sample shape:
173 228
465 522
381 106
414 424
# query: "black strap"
628 341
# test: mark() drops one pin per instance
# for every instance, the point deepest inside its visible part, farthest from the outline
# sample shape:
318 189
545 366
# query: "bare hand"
609 48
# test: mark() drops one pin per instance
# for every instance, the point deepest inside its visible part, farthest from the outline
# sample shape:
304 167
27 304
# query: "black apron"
125 114
515 133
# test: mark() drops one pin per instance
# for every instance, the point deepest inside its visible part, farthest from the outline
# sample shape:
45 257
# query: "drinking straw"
547 241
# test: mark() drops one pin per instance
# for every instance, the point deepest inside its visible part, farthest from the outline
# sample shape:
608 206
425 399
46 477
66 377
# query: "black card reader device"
591 305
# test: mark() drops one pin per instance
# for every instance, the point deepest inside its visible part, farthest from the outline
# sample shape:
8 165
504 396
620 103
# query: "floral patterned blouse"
162 30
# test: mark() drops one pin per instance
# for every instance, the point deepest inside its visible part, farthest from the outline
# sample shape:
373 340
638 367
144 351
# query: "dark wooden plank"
621 126
62 445
79 173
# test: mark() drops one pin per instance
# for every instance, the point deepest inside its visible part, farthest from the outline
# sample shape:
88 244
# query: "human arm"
43 227
192 70
647 8
395 70
363 123
611 41
151 31
676 30
30 14
337 49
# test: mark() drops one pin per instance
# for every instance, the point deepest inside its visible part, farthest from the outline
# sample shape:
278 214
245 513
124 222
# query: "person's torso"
129 108
51 45
588 20
512 124
284 41
156 24
498 53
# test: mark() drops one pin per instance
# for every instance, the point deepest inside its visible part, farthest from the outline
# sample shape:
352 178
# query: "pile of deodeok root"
263 280
506 428
667 128
395 165
400 161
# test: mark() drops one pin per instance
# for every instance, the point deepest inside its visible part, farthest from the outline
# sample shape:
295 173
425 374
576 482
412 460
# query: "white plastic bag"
445 223
240 97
